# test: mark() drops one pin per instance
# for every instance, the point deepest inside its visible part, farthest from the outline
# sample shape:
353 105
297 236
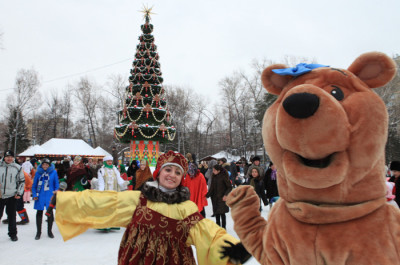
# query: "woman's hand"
35 198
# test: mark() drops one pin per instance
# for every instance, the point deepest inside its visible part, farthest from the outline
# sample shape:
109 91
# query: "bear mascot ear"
374 68
273 82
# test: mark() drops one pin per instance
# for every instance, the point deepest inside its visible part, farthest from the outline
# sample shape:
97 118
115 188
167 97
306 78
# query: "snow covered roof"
31 151
229 157
65 147
101 151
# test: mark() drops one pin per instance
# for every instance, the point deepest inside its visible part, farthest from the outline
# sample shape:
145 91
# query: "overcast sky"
199 42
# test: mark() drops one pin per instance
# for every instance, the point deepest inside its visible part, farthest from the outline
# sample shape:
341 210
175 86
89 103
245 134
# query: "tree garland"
121 135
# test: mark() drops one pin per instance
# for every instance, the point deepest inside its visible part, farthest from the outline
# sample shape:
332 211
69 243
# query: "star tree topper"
147 12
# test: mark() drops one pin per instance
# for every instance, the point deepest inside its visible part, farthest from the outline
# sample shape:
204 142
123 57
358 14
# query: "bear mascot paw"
326 134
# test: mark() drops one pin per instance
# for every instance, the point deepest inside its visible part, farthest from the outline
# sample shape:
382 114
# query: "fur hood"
153 193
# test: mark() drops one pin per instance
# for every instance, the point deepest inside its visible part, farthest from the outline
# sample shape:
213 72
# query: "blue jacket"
44 184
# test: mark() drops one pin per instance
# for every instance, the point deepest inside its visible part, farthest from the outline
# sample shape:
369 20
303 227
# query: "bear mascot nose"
301 105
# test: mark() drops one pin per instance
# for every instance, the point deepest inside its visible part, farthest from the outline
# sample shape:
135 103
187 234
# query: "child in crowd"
257 182
44 185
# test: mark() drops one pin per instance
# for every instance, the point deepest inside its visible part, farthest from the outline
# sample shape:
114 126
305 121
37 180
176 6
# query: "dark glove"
237 253
52 205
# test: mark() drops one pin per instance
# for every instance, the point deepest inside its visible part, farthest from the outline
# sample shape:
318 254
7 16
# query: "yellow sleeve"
78 211
208 238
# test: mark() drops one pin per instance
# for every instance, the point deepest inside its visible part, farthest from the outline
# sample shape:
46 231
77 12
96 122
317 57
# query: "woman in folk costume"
77 176
143 174
109 176
197 185
161 220
44 185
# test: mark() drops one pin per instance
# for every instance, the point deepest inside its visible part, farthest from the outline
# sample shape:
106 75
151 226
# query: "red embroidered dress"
152 238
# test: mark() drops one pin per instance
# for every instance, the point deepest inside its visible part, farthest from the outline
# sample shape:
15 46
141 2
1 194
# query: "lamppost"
16 132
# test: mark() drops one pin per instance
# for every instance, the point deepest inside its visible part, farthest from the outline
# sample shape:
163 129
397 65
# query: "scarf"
122 169
106 165
156 193
192 170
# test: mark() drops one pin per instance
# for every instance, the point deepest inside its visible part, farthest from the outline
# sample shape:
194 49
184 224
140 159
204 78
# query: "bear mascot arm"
326 134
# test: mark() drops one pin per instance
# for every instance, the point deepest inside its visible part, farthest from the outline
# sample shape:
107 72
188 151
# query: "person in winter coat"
255 163
143 174
94 166
12 183
60 169
77 176
28 187
109 176
196 183
244 166
27 166
257 182
44 185
20 207
270 182
219 189
203 167
209 173
161 222
131 173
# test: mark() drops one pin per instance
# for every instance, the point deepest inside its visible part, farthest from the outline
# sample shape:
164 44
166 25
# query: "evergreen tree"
262 105
22 132
145 115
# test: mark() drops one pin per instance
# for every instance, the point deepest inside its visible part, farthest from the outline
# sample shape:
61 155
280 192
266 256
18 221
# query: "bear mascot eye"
337 93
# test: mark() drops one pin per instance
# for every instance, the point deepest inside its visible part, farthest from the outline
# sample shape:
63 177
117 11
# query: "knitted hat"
46 160
77 158
171 158
395 165
107 158
9 153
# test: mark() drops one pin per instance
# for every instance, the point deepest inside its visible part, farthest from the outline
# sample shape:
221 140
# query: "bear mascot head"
326 134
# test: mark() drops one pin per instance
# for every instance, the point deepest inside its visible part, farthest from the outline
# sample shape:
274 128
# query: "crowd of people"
39 180
175 181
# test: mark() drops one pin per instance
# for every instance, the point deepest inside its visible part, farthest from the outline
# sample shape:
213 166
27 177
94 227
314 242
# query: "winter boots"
39 219
24 217
50 221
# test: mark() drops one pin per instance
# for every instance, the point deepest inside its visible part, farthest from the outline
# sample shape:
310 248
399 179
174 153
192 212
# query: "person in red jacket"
197 186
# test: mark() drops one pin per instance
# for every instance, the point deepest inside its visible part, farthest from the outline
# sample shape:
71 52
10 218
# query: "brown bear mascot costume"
326 133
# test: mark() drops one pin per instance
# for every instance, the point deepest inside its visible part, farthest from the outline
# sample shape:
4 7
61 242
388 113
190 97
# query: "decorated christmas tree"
144 120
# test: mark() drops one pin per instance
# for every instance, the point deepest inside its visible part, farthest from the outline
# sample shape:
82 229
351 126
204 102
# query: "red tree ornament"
148 109
157 99
137 97
133 126
163 128
146 85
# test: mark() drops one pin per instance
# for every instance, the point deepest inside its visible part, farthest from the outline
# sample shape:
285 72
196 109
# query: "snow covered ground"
92 247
